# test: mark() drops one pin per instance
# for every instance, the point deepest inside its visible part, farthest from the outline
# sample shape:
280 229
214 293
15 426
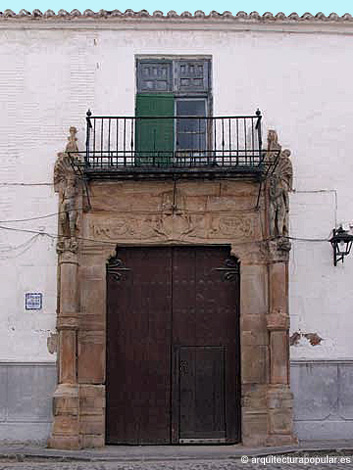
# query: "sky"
261 6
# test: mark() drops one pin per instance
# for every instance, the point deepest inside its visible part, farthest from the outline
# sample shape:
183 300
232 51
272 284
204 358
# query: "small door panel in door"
201 394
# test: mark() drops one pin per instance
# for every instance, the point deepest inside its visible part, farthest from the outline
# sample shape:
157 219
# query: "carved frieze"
237 226
176 226
149 227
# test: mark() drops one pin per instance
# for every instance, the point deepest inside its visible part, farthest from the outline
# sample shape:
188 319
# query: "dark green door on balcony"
154 137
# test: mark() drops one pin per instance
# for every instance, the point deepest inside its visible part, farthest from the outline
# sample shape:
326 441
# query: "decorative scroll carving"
230 270
116 269
178 225
65 245
166 226
235 226
280 184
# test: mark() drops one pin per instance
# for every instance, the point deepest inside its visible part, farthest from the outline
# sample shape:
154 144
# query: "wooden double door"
173 346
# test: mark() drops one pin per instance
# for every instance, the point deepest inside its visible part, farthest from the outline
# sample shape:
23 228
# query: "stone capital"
67 249
278 250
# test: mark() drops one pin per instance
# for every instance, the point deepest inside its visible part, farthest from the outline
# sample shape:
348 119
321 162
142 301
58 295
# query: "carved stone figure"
280 184
68 212
65 183
71 146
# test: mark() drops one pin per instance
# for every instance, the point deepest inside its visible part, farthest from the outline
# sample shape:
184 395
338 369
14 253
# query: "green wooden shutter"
154 137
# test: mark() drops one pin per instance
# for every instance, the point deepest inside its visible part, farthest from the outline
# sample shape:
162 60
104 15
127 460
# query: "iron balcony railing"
140 144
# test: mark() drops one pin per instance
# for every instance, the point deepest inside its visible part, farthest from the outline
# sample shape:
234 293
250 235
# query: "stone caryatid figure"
65 183
280 184
71 146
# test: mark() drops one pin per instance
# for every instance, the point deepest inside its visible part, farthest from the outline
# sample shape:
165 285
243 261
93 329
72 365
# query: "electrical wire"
26 184
14 248
55 236
28 244
106 242
31 218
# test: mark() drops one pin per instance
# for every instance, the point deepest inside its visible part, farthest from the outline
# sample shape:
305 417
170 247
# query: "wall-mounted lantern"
341 242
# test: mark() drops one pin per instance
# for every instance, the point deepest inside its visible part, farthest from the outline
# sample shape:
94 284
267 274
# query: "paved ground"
319 455
235 464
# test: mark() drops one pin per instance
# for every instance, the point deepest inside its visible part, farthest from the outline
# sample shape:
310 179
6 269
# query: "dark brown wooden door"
138 347
172 346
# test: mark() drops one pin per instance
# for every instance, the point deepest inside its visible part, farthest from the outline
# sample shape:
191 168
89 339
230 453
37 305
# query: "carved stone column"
279 396
65 432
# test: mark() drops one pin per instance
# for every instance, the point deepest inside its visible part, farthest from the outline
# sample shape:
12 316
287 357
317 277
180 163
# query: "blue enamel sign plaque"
33 301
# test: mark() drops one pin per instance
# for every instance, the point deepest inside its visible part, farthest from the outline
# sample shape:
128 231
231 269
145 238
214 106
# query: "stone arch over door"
162 213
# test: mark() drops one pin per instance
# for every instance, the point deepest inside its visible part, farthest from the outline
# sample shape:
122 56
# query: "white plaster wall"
300 80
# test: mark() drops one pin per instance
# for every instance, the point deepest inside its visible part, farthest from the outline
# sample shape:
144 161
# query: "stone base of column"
92 415
254 428
280 406
278 440
254 415
66 430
